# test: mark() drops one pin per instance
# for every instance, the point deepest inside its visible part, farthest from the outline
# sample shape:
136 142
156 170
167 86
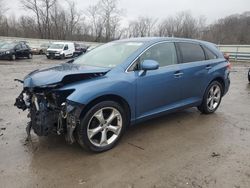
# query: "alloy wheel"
214 97
104 127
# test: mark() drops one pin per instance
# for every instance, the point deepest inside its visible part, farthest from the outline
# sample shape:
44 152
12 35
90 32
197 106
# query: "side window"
210 54
24 46
164 54
191 52
66 47
18 47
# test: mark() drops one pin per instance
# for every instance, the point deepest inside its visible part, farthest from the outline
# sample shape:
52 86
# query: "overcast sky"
211 9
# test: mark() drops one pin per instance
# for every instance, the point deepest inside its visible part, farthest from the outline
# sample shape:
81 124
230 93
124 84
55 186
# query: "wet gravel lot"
184 149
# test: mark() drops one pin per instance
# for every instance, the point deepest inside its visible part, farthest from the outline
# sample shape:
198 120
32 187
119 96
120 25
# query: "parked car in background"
123 82
80 49
15 50
60 50
42 49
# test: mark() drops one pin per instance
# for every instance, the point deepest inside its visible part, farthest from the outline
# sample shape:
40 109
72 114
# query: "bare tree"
33 6
73 18
142 27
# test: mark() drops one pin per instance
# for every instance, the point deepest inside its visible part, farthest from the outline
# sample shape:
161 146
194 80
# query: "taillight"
226 56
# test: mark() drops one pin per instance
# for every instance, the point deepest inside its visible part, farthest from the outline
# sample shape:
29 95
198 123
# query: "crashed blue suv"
94 98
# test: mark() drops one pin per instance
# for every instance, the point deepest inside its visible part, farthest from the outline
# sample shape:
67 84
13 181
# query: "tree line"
102 22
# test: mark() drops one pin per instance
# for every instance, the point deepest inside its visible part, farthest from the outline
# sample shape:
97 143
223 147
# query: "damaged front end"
50 112
48 108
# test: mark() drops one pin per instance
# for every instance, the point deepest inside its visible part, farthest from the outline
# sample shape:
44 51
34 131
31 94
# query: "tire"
63 56
30 56
48 57
13 57
212 98
92 120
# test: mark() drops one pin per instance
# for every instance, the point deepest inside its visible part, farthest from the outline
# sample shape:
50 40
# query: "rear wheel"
102 126
13 57
30 56
212 98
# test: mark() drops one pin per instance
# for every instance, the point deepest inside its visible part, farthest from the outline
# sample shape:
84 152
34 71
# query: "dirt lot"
184 149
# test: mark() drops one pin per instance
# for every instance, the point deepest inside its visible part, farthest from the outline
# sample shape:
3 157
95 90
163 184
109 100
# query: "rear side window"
18 47
209 53
163 53
191 52
24 46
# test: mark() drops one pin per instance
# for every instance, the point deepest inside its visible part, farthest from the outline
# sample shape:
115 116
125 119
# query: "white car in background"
60 50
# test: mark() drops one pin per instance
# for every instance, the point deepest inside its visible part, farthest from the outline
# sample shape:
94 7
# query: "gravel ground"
183 150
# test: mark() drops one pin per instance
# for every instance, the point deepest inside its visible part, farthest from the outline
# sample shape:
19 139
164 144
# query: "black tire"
48 57
204 107
63 56
12 57
82 129
30 56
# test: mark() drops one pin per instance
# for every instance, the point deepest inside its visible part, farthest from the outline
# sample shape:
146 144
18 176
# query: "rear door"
25 50
195 69
18 50
158 90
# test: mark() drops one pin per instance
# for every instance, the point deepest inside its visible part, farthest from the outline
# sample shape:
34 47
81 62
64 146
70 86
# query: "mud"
183 150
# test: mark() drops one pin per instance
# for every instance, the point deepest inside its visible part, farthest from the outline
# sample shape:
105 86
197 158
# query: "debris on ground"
214 154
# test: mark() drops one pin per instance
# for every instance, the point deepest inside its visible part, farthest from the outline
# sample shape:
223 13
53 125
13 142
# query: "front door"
158 90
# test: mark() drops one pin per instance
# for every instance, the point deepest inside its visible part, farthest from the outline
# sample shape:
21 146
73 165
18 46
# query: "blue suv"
95 97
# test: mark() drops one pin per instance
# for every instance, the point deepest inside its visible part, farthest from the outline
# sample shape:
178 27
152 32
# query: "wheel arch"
109 97
221 81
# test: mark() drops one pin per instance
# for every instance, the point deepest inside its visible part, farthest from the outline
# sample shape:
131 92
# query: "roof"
159 39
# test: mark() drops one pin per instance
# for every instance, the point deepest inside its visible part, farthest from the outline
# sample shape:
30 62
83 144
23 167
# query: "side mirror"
147 65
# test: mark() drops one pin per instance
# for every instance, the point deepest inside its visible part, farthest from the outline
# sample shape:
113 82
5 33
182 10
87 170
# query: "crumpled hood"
65 73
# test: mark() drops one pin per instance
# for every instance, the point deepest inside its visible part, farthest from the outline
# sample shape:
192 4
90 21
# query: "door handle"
208 67
178 74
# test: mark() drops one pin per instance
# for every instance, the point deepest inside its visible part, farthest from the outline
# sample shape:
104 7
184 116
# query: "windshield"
8 46
56 46
109 55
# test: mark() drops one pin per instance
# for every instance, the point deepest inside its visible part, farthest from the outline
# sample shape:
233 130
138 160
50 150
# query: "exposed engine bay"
48 108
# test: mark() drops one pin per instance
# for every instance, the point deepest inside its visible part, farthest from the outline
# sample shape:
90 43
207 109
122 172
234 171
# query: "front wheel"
13 57
212 98
63 56
102 126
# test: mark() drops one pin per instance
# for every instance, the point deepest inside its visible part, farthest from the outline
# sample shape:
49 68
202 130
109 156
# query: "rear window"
191 52
209 53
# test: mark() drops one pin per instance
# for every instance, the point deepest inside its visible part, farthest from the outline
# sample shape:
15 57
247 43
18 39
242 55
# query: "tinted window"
24 46
209 53
66 47
164 54
191 52
18 47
